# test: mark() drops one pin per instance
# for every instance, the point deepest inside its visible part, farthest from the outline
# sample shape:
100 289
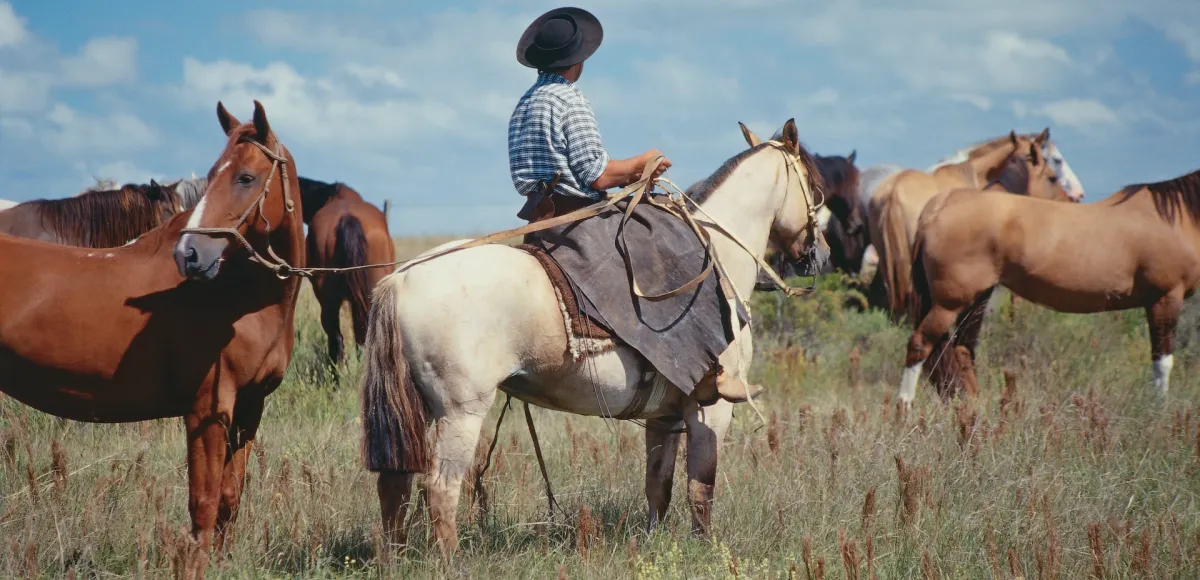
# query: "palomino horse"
447 334
344 231
1143 251
897 200
96 218
167 326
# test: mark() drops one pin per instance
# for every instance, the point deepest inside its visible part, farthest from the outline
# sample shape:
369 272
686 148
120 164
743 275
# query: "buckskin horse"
449 333
897 200
1142 252
96 218
344 231
168 326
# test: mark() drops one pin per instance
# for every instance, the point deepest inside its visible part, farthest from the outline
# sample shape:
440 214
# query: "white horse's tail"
393 411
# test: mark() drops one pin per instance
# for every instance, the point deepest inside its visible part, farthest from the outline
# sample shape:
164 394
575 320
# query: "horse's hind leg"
457 434
662 446
954 355
395 490
705 429
247 414
330 298
1162 317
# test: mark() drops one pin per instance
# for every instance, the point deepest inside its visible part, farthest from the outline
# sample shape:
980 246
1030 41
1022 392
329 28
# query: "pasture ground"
1075 469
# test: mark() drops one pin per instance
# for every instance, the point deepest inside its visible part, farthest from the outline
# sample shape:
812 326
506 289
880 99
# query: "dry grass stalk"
1008 398
58 467
562 572
820 575
773 433
587 531
10 448
806 555
849 552
928 571
967 419
631 551
993 553
1096 543
913 491
871 558
1012 563
868 511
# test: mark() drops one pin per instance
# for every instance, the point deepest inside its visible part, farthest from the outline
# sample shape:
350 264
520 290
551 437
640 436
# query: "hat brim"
589 28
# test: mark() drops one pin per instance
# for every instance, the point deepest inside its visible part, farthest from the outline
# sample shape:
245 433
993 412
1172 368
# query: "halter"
274 263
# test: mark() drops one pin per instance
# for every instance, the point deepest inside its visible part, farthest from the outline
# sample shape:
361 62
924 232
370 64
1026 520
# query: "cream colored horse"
448 334
896 203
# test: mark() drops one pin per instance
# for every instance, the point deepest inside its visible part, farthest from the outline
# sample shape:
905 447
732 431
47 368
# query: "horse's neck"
744 210
962 173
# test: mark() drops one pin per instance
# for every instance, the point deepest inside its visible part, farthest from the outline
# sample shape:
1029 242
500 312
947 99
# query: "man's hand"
623 172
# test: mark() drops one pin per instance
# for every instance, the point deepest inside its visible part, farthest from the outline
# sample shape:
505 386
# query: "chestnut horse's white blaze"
462 327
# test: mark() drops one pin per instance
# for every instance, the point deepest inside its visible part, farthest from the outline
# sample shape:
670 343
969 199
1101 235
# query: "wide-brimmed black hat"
560 38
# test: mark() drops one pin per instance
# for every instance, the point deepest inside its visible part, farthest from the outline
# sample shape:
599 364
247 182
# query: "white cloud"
71 133
123 171
1080 114
978 101
1193 78
12 27
101 61
1187 35
23 91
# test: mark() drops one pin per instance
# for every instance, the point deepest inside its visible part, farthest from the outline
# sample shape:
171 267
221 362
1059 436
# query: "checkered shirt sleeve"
553 129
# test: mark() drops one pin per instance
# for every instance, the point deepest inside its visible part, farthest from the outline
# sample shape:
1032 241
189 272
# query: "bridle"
272 262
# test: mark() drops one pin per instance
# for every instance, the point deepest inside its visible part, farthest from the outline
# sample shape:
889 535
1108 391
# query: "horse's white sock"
908 382
1162 371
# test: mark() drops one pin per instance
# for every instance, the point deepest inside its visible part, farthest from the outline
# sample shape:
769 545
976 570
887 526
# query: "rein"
637 191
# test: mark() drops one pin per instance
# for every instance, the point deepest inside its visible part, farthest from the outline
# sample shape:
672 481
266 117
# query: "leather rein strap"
636 191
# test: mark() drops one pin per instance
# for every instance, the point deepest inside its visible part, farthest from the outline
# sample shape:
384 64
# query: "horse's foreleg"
662 446
1162 317
207 447
246 416
931 330
457 434
705 429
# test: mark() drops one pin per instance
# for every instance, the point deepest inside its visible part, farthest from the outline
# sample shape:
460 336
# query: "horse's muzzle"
199 257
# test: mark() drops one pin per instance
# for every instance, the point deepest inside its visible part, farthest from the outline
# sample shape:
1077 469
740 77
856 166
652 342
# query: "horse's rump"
681 336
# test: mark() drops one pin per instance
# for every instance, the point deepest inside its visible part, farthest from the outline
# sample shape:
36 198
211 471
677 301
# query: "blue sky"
410 100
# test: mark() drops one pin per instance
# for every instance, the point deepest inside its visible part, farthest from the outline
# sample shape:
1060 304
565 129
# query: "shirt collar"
546 77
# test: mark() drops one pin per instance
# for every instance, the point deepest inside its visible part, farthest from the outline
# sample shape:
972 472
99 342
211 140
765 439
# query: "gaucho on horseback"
558 161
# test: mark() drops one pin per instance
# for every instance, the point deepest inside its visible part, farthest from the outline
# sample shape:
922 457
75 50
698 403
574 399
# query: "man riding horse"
558 161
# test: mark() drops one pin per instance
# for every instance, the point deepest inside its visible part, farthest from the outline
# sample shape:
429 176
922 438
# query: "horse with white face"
448 334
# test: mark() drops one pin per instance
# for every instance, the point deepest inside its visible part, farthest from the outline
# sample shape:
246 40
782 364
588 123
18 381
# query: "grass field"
1074 468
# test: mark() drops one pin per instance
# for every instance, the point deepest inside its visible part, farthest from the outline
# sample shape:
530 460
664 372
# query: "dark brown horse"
845 224
343 231
170 325
96 218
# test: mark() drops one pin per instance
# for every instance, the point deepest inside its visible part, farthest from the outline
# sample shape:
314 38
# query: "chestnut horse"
896 202
1143 251
344 231
96 218
168 326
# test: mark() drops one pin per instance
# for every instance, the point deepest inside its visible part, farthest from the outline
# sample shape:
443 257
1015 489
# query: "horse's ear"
791 137
751 139
155 191
262 129
228 121
850 158
1013 135
1035 152
1044 137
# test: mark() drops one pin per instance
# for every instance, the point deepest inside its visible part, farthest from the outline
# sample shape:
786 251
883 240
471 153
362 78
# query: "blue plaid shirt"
553 129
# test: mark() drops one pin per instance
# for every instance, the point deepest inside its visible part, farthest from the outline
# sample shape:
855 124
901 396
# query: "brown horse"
96 218
167 326
1143 251
344 231
897 201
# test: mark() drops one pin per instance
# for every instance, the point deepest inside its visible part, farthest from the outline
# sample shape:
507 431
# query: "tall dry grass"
1066 466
